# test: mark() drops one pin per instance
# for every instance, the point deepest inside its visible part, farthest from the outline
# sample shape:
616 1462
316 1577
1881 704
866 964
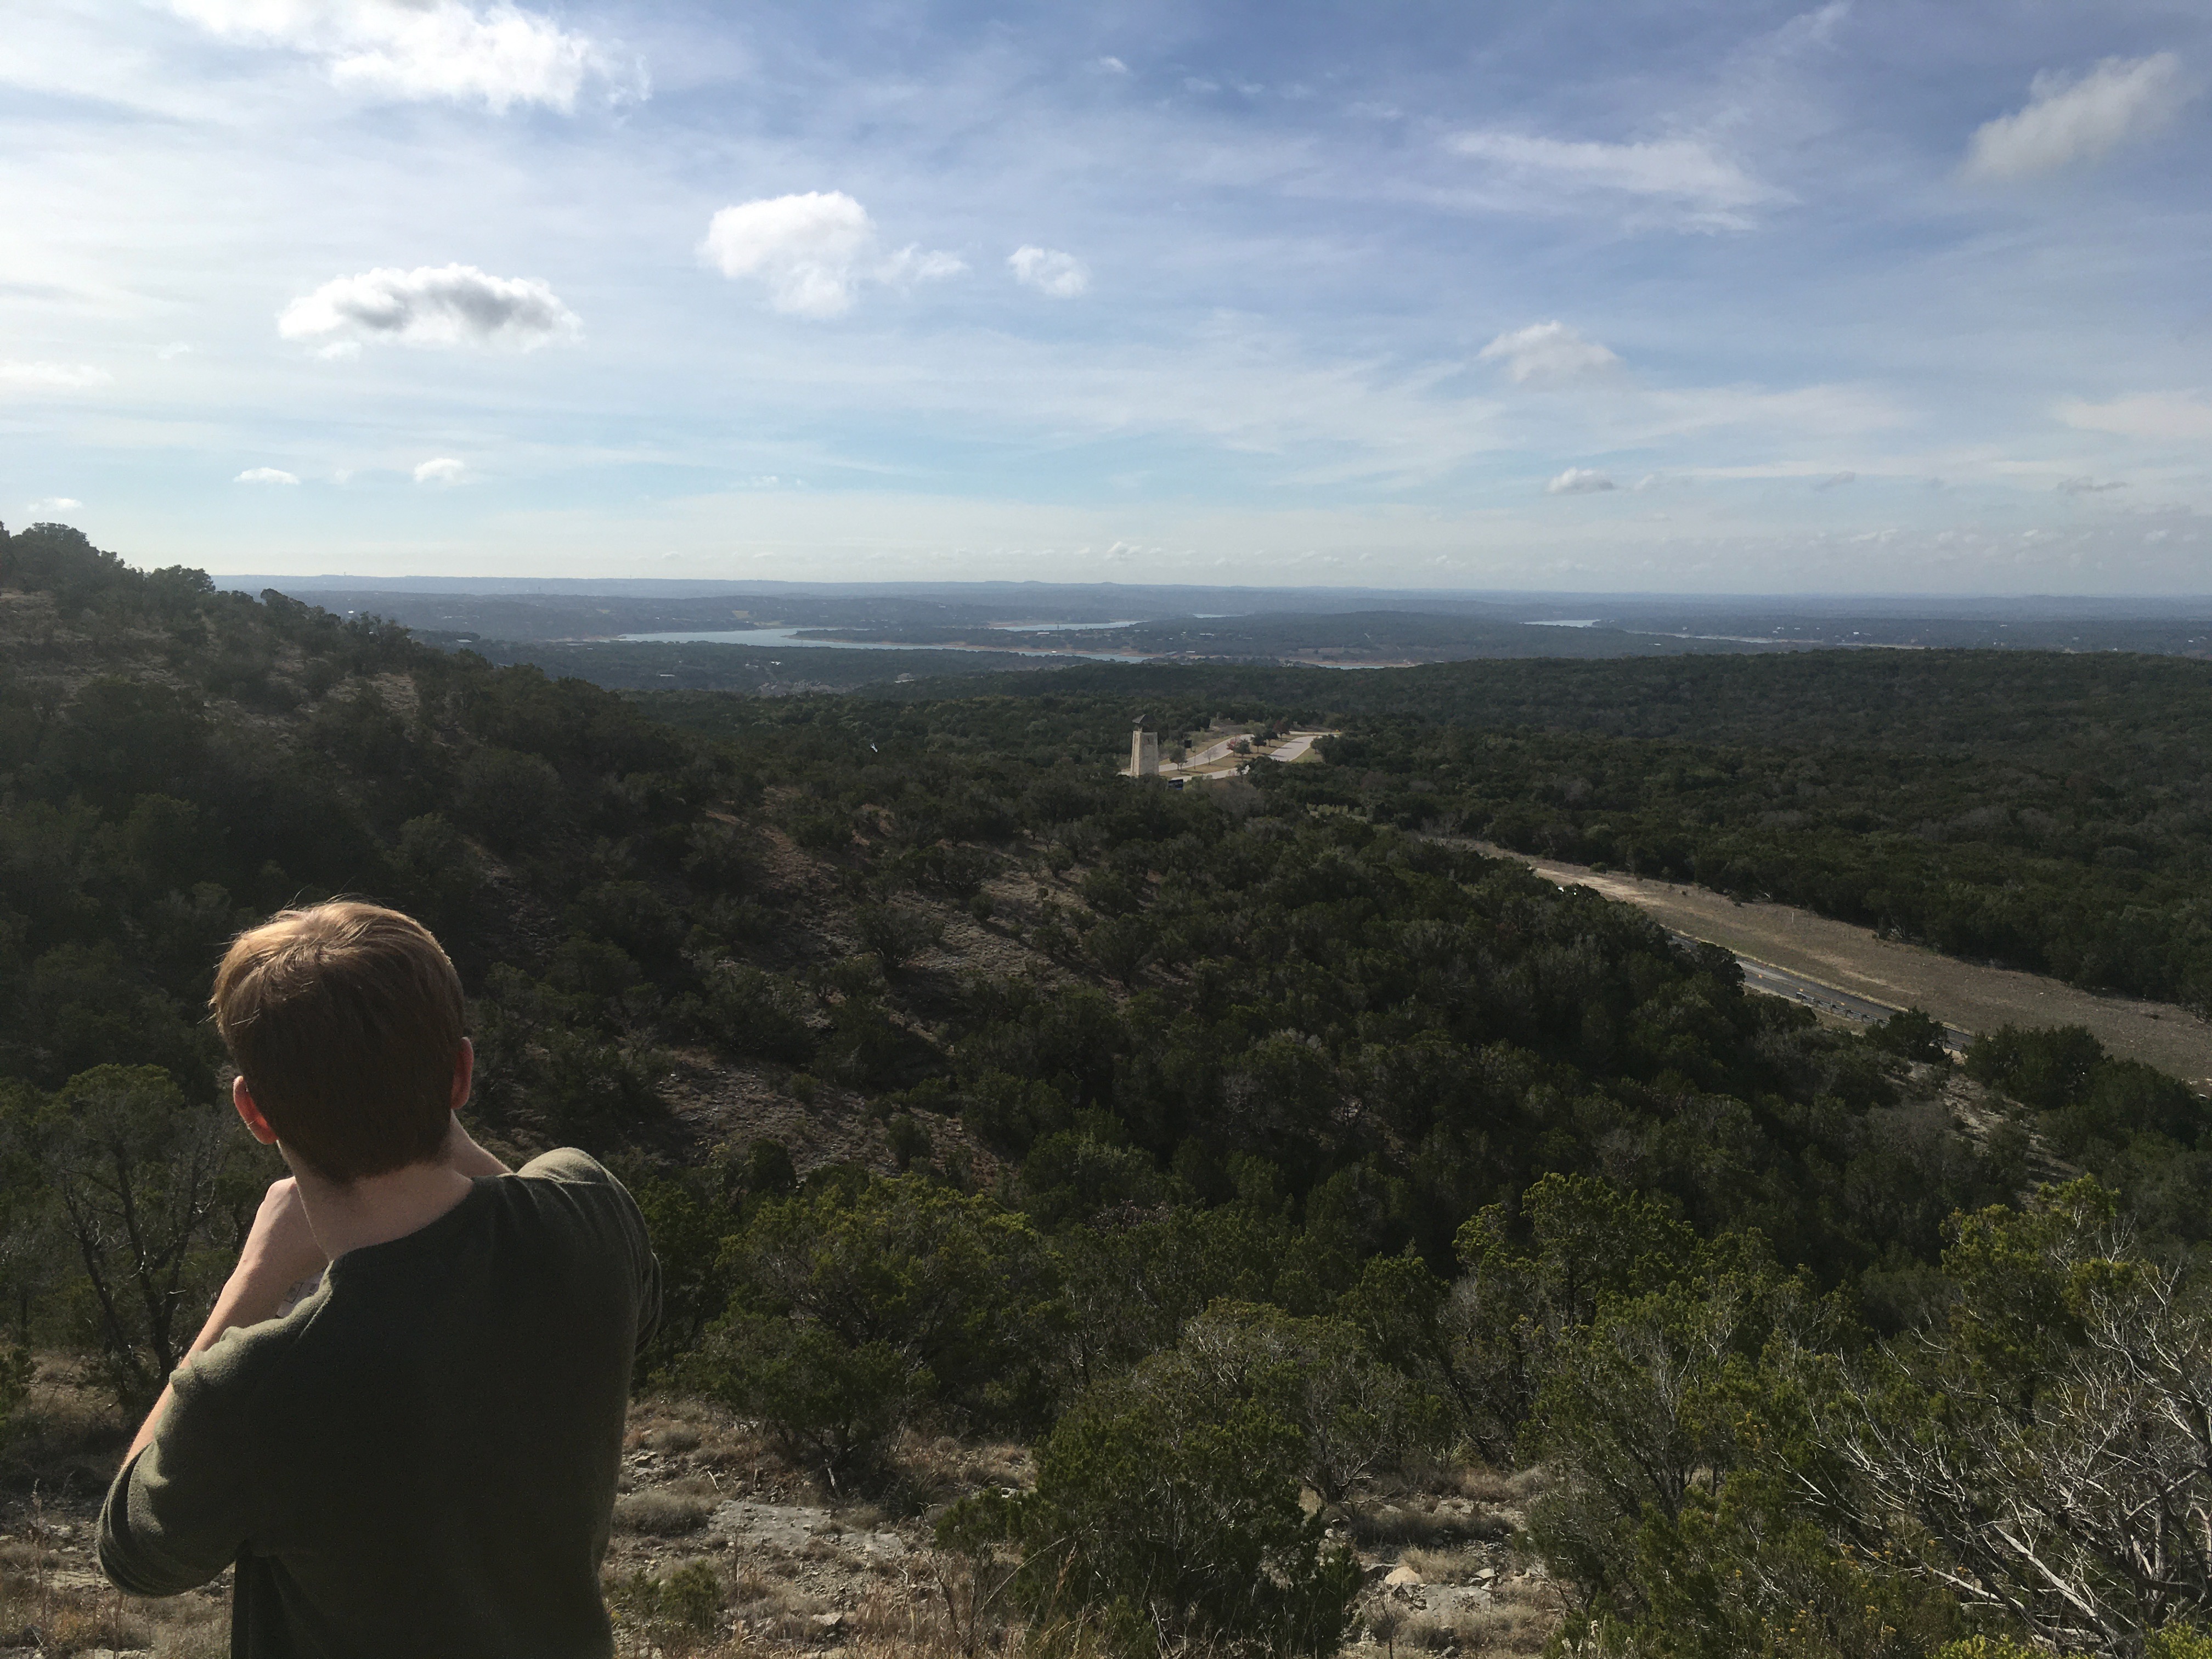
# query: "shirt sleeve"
176 1514
571 1167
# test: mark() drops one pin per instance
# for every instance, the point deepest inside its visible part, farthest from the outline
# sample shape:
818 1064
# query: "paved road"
1828 999
1299 744
1835 966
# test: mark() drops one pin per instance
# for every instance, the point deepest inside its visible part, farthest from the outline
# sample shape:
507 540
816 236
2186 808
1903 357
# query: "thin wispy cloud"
2155 415
55 504
2075 120
498 54
51 377
1050 272
813 251
1689 174
430 306
1548 353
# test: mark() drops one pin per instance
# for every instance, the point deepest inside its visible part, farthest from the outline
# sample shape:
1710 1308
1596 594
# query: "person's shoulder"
568 1165
569 1181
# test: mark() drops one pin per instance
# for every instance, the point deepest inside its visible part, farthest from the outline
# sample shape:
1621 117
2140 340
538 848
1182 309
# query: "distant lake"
788 638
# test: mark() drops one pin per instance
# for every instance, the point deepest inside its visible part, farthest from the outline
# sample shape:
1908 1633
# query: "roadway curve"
1847 972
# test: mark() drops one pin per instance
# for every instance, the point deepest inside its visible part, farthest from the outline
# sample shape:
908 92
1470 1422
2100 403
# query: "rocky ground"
720 1546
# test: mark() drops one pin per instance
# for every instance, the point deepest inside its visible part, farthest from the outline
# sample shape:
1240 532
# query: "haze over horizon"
1754 299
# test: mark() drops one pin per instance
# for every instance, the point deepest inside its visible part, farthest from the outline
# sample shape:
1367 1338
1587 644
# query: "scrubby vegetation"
1253 1157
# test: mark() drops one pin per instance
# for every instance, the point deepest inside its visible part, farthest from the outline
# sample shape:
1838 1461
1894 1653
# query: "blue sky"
1661 297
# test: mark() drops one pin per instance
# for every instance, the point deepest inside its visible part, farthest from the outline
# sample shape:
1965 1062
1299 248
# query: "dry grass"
66 1437
1485 1485
1447 1566
660 1513
1423 1523
1517 1619
39 1611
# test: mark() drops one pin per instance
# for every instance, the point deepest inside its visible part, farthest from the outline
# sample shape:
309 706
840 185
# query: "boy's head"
346 1021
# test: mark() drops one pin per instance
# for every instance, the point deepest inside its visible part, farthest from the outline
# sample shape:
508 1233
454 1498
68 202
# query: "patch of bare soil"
1970 995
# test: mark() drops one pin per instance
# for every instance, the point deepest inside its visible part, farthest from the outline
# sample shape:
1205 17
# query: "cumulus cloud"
813 251
55 504
1547 352
2086 486
1049 271
1684 173
265 474
2071 120
429 305
445 469
498 52
2161 415
1579 480
51 377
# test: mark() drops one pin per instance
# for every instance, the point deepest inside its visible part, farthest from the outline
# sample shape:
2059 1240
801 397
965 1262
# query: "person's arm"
280 1251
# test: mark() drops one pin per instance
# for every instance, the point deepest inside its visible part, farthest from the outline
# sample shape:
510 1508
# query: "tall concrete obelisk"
1144 753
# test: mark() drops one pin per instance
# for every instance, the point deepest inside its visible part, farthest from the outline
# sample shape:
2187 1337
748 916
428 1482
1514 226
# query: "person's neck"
377 1209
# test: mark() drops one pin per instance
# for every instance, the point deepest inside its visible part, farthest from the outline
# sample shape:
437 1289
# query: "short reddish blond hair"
346 1021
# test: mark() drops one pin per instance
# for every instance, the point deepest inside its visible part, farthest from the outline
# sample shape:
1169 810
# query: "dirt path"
1852 960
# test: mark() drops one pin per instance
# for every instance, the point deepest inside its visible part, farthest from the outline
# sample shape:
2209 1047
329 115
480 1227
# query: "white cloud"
1113 66
1579 480
813 251
1548 352
2066 121
265 474
1049 271
807 249
912 263
425 49
55 504
431 306
444 469
1687 172
52 377
2163 415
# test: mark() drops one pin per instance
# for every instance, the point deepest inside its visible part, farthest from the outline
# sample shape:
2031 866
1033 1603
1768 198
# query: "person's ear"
464 1072
249 1113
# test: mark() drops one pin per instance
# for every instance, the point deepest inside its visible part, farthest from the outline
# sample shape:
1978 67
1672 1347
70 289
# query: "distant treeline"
2044 811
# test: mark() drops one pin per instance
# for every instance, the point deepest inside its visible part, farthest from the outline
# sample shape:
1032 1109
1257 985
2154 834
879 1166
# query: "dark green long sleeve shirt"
419 1460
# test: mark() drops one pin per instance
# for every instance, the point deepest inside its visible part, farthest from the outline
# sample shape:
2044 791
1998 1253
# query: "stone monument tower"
1144 753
